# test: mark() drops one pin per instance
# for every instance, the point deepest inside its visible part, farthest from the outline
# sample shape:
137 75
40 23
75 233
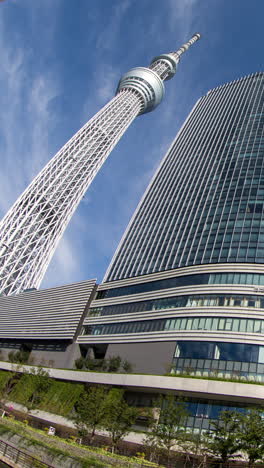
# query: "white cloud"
24 96
12 75
44 90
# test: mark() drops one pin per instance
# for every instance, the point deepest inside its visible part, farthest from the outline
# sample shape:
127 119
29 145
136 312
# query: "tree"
91 410
189 446
151 448
171 425
252 435
224 436
40 382
119 416
200 449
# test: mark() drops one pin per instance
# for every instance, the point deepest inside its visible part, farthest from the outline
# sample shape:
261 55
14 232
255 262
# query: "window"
214 278
181 323
243 325
235 325
221 324
201 325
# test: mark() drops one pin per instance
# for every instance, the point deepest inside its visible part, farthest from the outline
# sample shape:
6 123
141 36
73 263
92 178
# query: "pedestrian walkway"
54 419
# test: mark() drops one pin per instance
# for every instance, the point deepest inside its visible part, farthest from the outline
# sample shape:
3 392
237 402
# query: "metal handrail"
22 459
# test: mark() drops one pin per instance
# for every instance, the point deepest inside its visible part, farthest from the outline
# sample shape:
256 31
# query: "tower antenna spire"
32 228
166 64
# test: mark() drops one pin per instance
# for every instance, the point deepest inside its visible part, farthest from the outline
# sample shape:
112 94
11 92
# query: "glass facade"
219 368
254 279
214 350
206 203
228 360
202 412
195 300
207 323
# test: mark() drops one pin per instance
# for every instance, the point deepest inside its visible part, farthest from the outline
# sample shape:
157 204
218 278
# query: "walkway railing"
22 459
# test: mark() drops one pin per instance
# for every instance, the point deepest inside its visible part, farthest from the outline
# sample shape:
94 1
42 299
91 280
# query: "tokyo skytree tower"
32 228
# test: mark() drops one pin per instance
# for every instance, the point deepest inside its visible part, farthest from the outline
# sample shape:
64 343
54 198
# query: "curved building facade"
205 204
184 292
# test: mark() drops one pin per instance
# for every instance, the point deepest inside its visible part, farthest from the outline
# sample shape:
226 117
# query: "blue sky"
60 63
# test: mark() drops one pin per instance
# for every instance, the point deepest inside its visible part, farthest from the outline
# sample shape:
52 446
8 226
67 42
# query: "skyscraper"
32 228
205 204
184 292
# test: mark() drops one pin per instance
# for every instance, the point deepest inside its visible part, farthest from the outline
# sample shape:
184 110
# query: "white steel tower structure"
32 228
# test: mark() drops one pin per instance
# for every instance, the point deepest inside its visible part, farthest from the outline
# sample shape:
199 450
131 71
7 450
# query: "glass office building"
184 292
205 204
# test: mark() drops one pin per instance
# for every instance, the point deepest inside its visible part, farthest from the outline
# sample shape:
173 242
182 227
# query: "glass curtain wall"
206 203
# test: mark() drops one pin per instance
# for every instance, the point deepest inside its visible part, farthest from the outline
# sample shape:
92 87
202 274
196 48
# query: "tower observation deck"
32 228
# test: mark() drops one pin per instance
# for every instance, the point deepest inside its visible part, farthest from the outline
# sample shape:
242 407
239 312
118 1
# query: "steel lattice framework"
33 226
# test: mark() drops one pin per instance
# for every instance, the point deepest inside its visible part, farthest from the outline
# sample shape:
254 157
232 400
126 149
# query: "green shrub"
94 364
127 366
114 363
80 363
11 356
20 357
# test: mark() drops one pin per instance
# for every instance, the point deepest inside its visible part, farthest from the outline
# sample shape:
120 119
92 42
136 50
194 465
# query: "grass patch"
4 377
23 390
61 397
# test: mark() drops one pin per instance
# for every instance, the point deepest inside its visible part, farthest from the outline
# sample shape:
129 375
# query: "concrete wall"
56 358
60 354
5 349
147 358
